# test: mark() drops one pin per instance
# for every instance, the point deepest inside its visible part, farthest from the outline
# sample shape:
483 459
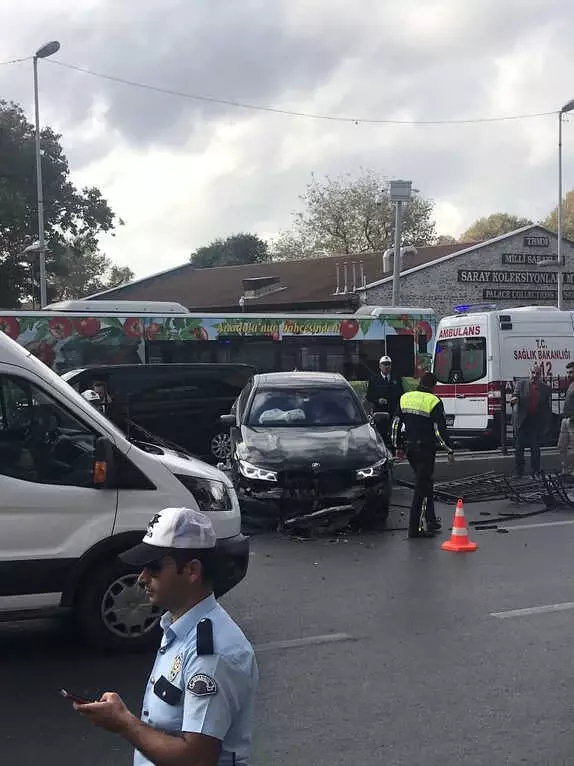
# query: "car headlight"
372 471
251 471
209 494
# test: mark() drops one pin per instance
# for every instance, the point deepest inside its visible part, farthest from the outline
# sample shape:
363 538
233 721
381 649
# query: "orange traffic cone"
459 540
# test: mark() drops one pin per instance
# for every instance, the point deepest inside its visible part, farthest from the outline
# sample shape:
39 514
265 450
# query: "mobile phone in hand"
73 697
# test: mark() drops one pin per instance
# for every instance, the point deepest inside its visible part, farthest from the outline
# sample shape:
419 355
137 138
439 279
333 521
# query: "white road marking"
535 526
534 610
294 643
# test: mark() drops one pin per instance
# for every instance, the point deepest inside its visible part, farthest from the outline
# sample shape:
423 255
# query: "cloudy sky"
181 171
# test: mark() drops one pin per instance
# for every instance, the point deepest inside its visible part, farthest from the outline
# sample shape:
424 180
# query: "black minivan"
177 402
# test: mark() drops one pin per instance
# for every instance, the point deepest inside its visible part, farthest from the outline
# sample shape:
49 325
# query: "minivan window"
460 360
305 407
40 441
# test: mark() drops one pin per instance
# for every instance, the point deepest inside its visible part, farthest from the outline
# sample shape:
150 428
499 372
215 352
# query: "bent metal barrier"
552 489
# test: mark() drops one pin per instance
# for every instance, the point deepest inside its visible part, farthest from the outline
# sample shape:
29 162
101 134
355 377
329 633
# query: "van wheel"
113 611
220 446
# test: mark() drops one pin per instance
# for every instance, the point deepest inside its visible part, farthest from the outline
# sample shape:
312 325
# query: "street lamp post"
46 50
400 193
566 108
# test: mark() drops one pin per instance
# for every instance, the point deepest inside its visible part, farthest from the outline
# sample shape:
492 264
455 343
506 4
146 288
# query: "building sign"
526 259
513 277
505 294
536 241
501 293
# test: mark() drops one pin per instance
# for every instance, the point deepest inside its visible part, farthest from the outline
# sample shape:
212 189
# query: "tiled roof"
312 281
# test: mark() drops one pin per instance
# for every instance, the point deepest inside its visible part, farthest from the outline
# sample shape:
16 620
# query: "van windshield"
460 360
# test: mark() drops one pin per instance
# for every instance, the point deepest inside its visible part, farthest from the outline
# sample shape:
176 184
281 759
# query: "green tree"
233 251
69 212
551 221
84 270
445 239
353 214
494 225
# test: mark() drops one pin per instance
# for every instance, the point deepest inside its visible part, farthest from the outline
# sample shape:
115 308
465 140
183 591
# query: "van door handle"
460 396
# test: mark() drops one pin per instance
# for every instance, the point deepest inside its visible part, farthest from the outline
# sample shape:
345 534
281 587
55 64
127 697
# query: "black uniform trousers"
422 458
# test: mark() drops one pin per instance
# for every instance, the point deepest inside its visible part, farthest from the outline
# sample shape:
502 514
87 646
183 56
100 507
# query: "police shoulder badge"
176 667
201 685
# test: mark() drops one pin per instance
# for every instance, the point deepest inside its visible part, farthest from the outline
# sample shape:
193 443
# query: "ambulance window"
460 360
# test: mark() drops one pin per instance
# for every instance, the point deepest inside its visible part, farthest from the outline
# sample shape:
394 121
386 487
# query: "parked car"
178 402
74 493
303 441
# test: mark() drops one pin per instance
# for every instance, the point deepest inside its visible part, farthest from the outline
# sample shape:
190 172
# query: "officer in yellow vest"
419 427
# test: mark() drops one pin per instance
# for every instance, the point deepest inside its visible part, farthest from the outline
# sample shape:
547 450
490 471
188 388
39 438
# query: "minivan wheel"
113 611
220 446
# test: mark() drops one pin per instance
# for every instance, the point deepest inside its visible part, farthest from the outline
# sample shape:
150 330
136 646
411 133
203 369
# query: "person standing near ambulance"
419 427
566 436
198 703
531 403
384 393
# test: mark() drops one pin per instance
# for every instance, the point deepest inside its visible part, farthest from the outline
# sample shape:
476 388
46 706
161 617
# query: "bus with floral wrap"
76 334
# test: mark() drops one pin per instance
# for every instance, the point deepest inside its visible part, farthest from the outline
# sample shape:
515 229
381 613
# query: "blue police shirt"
207 694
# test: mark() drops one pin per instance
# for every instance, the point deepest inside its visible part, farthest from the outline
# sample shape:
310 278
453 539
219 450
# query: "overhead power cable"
291 112
15 61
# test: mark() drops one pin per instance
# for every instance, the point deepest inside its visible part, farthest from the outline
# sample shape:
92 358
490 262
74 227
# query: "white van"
74 492
480 353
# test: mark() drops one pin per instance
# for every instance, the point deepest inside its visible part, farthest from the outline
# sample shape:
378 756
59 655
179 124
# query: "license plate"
450 420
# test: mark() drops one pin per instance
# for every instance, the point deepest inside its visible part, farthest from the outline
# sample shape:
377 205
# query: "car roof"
298 379
163 366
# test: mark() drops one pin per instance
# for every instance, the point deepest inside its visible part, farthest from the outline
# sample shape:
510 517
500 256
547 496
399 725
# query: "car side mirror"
104 463
380 417
228 420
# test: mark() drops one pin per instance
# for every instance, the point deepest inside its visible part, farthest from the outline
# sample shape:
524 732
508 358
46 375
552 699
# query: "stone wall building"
506 271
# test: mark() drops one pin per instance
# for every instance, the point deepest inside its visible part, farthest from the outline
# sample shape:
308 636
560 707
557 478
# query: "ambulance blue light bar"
465 308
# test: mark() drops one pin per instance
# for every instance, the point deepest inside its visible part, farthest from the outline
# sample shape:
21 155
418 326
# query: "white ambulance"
481 351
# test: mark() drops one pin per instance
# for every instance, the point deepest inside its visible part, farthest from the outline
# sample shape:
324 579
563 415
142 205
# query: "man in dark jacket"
566 437
419 427
531 402
384 393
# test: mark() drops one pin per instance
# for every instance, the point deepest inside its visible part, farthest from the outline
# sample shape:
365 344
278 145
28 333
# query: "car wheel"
220 446
113 611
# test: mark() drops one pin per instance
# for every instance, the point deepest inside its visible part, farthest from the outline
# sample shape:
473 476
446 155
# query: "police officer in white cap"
198 703
384 393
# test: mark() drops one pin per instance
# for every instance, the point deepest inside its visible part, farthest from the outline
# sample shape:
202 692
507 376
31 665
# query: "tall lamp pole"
566 108
46 50
400 193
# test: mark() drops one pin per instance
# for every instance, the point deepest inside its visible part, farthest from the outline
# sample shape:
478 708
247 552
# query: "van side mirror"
228 420
103 463
380 417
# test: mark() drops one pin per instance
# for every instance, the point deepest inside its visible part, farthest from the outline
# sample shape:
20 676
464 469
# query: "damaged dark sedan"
302 442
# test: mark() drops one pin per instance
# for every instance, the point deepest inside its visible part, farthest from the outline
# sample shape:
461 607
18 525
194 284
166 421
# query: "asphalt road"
372 650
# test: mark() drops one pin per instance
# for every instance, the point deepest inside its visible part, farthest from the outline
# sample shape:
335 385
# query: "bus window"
460 360
370 351
401 349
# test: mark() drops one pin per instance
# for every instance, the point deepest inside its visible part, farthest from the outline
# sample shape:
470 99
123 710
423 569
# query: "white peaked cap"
172 529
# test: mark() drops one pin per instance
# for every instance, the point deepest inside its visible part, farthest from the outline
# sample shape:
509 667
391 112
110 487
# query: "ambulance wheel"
114 613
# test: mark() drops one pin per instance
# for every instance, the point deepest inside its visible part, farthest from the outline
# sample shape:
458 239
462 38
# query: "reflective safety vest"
418 403
417 414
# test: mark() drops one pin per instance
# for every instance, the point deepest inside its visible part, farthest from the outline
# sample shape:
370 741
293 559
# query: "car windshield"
305 407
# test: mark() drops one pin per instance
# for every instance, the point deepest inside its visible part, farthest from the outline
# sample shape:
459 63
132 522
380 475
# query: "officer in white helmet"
384 393
198 703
